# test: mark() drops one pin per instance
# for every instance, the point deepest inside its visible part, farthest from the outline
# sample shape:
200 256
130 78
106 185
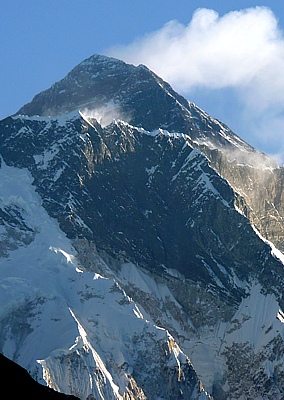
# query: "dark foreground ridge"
23 385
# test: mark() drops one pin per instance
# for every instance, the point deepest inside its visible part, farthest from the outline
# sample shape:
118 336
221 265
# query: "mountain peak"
108 62
92 83
100 80
107 88
100 58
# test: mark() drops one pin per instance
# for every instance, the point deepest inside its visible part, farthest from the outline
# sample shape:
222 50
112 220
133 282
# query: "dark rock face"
137 95
100 80
151 198
143 99
22 385
259 192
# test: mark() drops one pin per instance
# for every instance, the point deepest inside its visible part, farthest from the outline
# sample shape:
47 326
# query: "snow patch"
69 257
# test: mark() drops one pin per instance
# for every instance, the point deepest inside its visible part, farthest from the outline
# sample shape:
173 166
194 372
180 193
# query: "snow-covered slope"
243 354
77 327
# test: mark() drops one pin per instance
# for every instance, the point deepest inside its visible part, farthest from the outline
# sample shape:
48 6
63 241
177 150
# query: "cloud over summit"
242 50
211 50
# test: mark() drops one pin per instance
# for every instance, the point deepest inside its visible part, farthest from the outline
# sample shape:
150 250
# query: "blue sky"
227 57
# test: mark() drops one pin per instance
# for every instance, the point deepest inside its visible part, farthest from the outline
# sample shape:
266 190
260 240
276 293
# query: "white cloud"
242 50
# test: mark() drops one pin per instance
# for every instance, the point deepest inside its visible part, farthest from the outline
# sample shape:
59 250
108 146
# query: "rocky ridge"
91 86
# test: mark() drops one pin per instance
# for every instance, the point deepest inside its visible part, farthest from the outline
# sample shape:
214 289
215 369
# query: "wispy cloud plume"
107 113
242 50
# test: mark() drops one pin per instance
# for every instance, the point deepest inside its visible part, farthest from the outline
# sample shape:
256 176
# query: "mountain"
140 244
